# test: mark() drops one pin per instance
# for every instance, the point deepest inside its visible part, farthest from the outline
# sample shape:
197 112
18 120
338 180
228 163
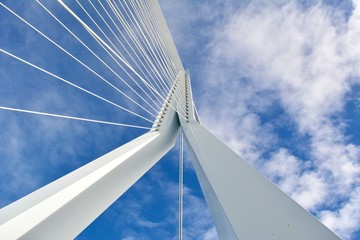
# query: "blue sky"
277 81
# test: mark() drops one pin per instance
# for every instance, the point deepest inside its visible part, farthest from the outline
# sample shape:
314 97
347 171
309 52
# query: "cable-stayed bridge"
129 49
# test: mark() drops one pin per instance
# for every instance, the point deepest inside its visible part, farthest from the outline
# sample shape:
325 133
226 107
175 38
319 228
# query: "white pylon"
243 203
64 208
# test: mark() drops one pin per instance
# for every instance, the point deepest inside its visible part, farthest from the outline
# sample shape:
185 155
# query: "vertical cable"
181 183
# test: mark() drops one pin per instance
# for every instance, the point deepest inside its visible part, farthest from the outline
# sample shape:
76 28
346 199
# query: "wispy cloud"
274 87
271 79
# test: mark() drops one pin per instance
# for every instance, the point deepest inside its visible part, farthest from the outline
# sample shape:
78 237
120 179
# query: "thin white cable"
146 28
100 29
141 30
121 56
180 97
105 44
96 10
131 77
181 105
102 18
73 84
99 39
181 185
147 19
72 56
137 41
152 10
106 48
147 67
135 20
72 118
129 45
166 33
156 21
82 43
156 18
160 42
148 40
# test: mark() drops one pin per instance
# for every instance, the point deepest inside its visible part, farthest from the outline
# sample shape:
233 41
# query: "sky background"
277 81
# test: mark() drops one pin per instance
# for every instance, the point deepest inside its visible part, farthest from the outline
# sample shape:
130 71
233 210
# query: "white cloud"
303 60
346 219
285 170
15 169
211 234
198 223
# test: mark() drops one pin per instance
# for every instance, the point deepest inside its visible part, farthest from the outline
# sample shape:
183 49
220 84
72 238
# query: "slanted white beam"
65 207
244 204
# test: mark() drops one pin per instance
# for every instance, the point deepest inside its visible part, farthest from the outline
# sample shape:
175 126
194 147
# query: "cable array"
129 42
125 45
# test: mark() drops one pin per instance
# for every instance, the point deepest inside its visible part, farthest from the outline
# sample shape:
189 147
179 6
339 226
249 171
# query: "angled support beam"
65 207
243 203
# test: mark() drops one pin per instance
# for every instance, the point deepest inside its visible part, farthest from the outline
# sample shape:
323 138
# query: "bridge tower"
243 203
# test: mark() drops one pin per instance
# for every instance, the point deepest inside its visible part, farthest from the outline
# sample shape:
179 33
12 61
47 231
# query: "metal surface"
181 185
243 203
63 208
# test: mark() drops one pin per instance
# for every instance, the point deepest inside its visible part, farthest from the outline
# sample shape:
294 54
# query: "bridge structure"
243 203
